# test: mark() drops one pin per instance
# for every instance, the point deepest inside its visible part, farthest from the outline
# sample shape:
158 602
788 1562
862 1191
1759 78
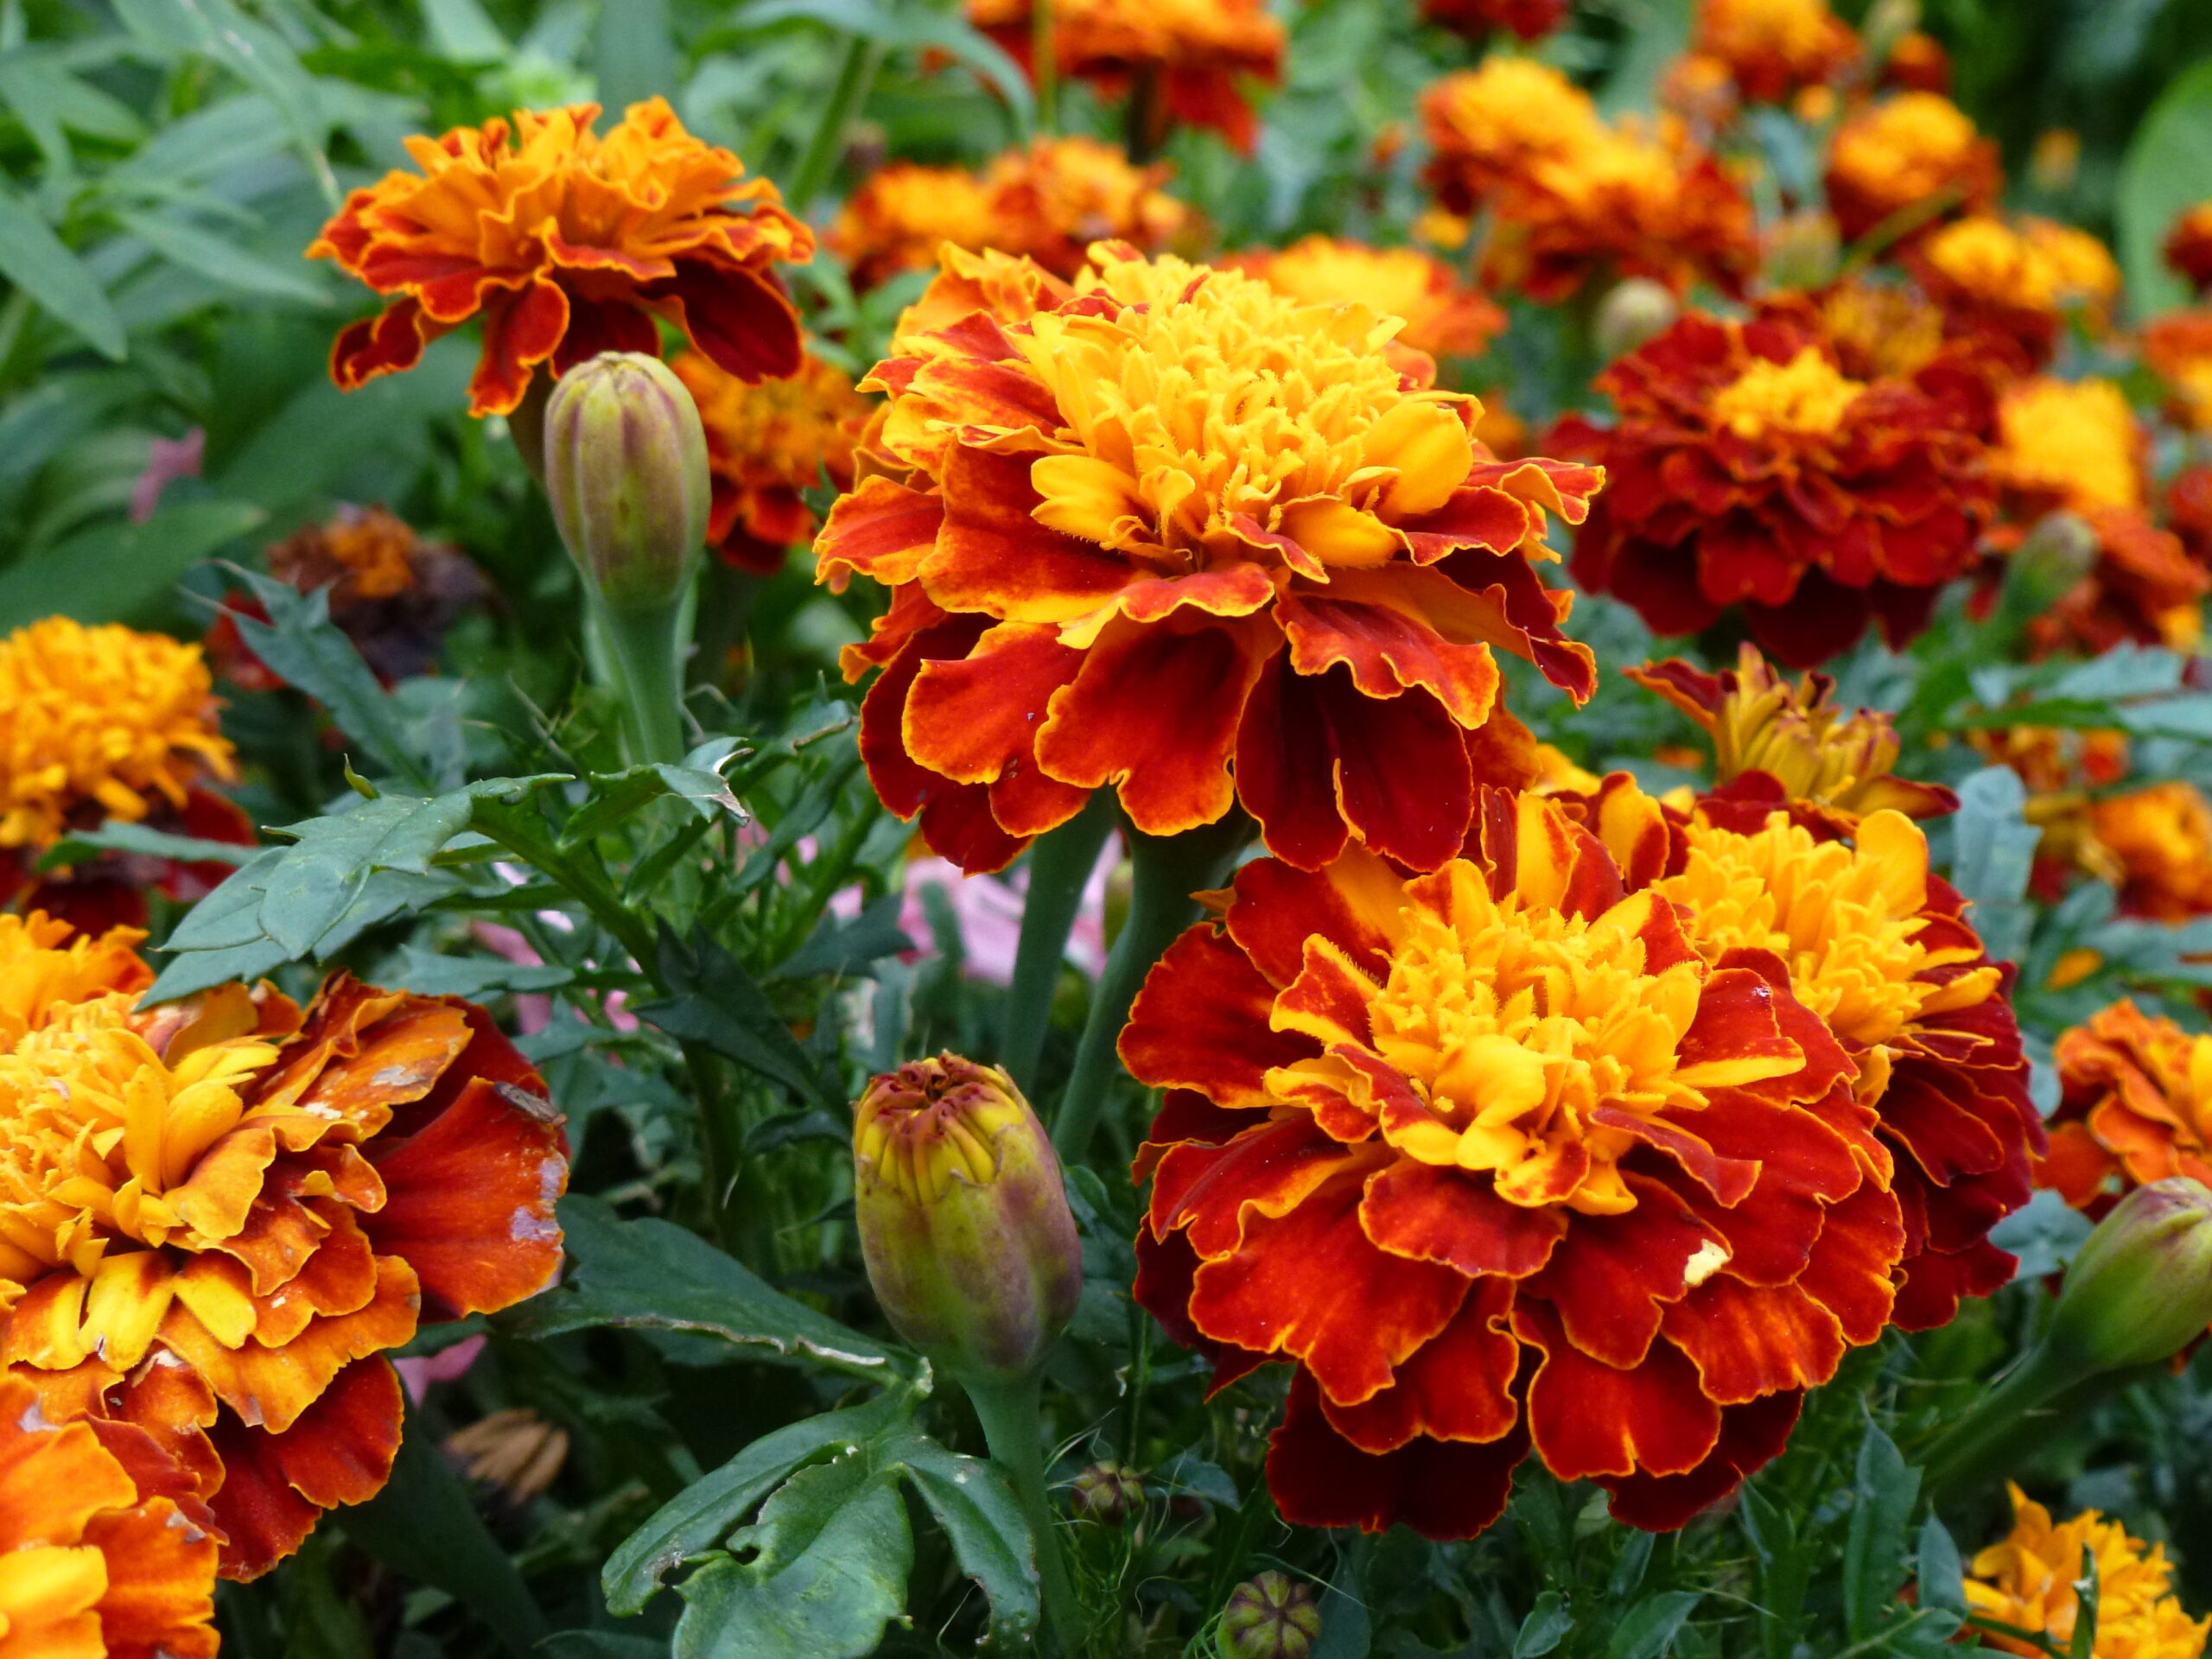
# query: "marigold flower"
1289 597
1880 330
1701 89
2145 585
1750 470
567 244
2015 279
1608 1137
2135 1106
1774 47
1530 19
2029 1582
1193 53
107 1551
2179 346
1918 63
1913 150
217 1216
2161 837
1443 316
2189 245
2072 444
765 443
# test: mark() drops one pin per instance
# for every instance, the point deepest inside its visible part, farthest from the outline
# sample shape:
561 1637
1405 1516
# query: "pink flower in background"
419 1371
534 1009
988 909
166 460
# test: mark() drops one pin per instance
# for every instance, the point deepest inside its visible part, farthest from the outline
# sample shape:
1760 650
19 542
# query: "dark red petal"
1442 1489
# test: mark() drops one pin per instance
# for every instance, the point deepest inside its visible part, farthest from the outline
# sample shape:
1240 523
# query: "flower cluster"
1442 316
1905 162
218 1216
1571 194
1771 48
1608 1139
767 442
1166 529
2032 1582
567 244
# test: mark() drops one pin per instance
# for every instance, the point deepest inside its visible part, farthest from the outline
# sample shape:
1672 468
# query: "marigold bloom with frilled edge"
106 1550
1443 316
1915 150
2179 346
765 443
1749 470
1529 19
1171 532
1772 47
2016 279
567 244
2189 246
1835 764
218 1216
2160 839
2135 1106
2031 1581
1193 55
1570 194
1609 1138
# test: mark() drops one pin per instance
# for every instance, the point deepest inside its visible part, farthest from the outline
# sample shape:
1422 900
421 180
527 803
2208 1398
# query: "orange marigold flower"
1168 530
567 244
2145 585
218 1216
1749 469
2178 346
2189 246
1570 194
1918 63
1774 47
2015 279
1609 1138
2189 511
107 1551
904 212
1916 150
1530 19
2031 1581
1793 738
1443 316
1190 56
2135 1106
2161 838
766 442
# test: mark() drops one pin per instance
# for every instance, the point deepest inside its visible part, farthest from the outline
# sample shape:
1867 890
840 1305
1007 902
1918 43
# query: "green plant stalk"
1168 870
1044 65
2046 1386
1060 868
856 74
1014 1430
644 664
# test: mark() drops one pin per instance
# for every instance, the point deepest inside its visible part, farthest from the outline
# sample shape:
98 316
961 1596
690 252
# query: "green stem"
1146 115
1014 1431
1983 1443
645 657
1168 870
854 76
1044 65
1060 868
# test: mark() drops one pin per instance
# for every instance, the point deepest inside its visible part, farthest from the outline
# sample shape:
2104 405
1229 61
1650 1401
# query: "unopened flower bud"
2141 1288
1270 1617
1801 250
626 467
1636 311
965 1227
1108 1493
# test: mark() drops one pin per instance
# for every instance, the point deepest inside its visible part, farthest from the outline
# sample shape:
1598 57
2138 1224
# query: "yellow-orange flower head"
2028 1581
101 717
567 244
1443 316
2135 1106
765 444
1774 47
2161 837
1900 153
2016 278
2178 346
2073 444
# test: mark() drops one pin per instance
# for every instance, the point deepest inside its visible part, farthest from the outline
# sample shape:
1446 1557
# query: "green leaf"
653 1275
32 258
463 32
912 29
117 571
1785 1571
1546 1627
220 259
429 973
714 1002
47 99
1882 1490
846 947
1648 1629
2087 1594
974 1503
617 796
1993 852
2167 163
636 53
121 835
1941 1577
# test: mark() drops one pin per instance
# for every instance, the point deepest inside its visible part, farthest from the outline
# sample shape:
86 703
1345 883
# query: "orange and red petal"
520 331
1354 903
1201 1021
1457 1387
1442 1489
1751 1436
1213 1191
974 719
1590 1418
739 316
1751 1340
276 1486
391 342
1386 651
1611 1277
1851 1270
1449 1215
161 1580
881 529
992 557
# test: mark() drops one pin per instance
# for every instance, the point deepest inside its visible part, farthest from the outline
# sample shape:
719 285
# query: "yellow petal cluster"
2028 1581
2076 441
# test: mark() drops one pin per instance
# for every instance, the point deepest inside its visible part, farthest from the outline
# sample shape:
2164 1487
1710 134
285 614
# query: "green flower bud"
626 467
1108 1493
1636 311
963 1223
2141 1288
1270 1617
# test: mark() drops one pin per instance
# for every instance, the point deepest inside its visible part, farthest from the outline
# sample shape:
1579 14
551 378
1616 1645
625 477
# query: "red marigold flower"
1189 57
567 244
107 1551
1570 194
1749 469
767 442
2179 346
1530 19
1443 316
1916 150
1168 530
1772 47
1918 63
1608 1138
2189 246
2032 1581
218 1216
2135 1106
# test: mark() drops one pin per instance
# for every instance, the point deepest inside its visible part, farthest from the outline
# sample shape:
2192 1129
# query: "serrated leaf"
302 647
1192 1476
845 947
121 835
1649 1629
616 797
35 259
714 1001
1993 853
429 972
117 571
1882 1490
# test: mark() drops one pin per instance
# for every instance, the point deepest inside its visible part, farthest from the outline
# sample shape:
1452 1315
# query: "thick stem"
856 74
1982 1443
1059 869
1014 1431
1168 870
647 659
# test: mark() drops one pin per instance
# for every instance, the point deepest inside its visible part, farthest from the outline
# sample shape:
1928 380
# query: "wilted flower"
1107 1492
765 443
567 244
1610 1137
1750 470
1915 150
1443 316
1290 599
2031 1581
969 1242
2189 245
1271 1616
1774 47
515 1453
223 1212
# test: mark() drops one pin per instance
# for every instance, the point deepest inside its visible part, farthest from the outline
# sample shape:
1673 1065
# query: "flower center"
1806 396
929 1123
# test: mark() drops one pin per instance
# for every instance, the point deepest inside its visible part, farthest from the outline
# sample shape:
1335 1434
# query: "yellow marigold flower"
1774 47
1915 148
102 716
1443 316
903 212
2161 836
2072 444
1881 330
2028 1581
2016 278
42 970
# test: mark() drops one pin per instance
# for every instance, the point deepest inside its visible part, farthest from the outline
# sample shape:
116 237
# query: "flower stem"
1044 65
1014 1431
644 663
1168 870
1982 1443
1059 869
856 74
